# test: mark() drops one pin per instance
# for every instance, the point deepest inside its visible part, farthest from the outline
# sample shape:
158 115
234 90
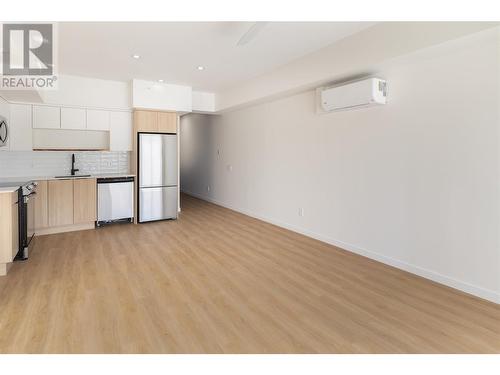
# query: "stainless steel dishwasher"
115 200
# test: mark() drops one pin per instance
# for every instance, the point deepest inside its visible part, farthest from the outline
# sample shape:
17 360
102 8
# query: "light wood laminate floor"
216 281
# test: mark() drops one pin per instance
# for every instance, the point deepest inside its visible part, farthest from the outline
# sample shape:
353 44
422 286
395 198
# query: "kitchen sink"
75 176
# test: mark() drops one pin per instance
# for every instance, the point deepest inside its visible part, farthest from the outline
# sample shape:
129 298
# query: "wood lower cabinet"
41 206
9 229
65 205
60 202
84 200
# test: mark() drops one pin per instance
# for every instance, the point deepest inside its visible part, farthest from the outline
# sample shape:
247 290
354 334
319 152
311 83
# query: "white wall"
355 54
203 102
413 183
161 96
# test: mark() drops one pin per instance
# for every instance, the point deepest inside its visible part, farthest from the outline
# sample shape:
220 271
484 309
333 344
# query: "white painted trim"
475 290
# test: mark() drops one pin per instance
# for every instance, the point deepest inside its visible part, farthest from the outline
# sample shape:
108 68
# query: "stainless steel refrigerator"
157 192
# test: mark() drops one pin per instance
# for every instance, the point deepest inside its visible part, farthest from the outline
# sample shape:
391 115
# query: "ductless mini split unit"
353 95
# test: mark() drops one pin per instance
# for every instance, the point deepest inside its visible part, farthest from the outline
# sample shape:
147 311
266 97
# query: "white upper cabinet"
45 117
120 131
73 118
98 119
21 138
111 127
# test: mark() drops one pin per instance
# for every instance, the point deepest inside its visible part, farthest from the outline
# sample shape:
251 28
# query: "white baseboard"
475 290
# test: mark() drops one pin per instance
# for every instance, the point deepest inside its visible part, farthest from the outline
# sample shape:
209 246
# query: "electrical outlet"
301 212
208 187
229 168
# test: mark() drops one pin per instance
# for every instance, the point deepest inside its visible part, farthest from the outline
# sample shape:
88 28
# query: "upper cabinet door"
97 119
73 118
146 121
45 117
21 131
120 131
167 122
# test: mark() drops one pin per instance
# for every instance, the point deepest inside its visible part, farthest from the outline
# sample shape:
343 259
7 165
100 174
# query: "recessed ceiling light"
136 57
200 67
160 80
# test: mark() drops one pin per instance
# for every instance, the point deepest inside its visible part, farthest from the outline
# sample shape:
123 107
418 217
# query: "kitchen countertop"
10 189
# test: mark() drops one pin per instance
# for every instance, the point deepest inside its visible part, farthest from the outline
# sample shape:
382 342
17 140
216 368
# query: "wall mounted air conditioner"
359 94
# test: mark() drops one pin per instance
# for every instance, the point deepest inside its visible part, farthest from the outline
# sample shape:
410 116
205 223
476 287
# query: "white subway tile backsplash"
52 163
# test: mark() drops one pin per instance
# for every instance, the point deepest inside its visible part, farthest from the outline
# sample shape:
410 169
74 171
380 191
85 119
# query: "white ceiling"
172 51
